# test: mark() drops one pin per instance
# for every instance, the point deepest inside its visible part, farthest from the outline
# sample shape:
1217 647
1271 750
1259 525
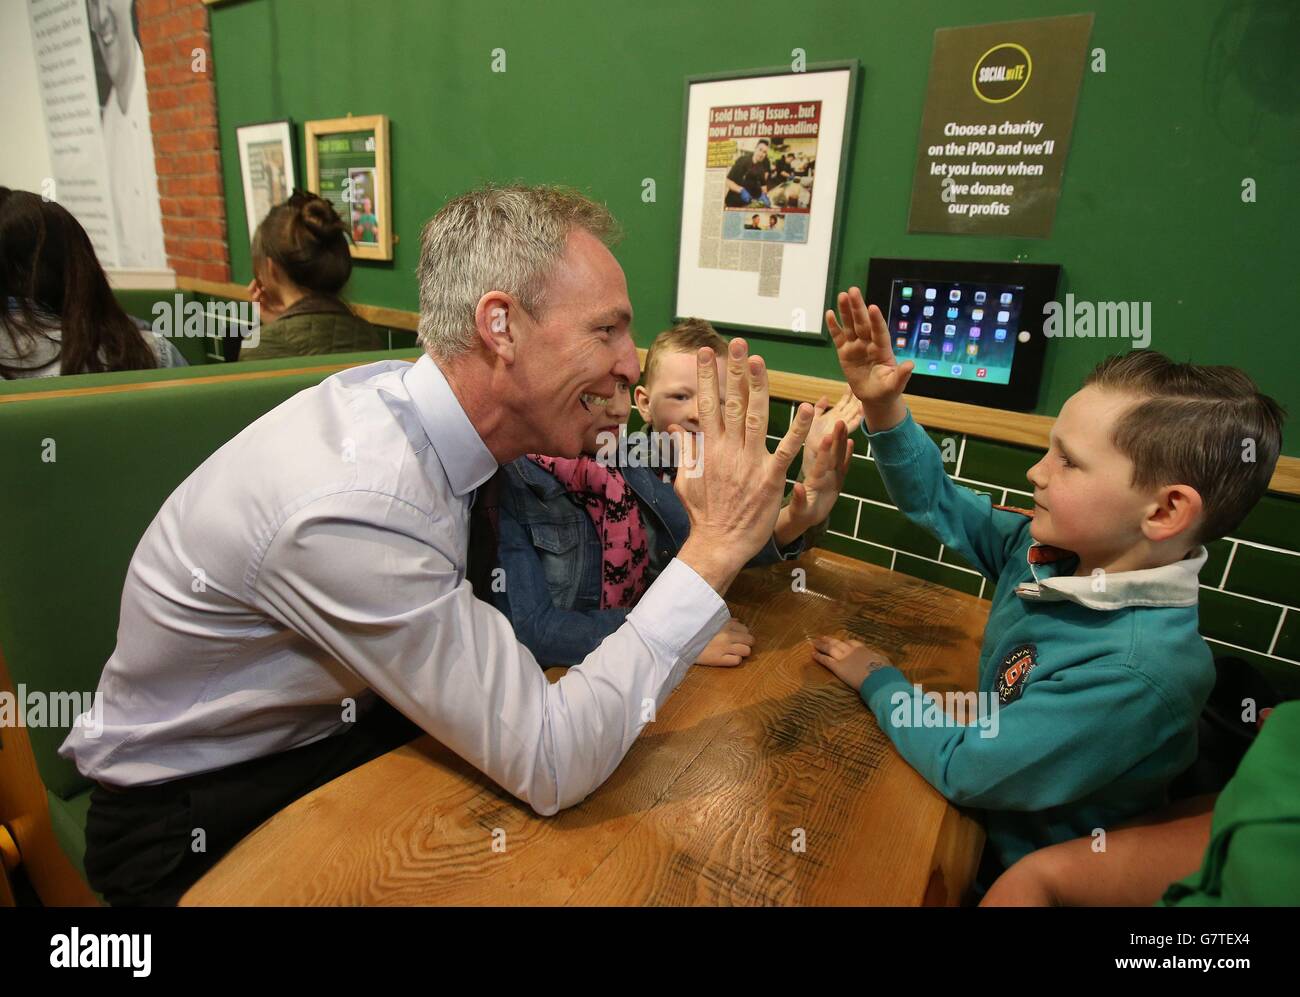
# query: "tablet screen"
956 329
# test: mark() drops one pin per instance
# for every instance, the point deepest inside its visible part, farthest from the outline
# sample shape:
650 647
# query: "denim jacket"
552 558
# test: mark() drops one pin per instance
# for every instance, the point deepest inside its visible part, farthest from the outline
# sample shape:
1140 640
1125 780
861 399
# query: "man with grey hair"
334 619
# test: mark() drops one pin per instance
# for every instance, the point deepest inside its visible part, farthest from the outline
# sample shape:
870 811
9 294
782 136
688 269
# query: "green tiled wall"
1250 586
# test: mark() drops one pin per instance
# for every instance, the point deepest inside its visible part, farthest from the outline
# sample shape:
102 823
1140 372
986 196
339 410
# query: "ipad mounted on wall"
974 330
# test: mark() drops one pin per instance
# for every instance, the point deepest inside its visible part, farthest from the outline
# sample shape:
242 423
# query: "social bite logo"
1001 72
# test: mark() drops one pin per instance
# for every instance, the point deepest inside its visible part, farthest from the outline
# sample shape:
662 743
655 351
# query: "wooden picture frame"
366 174
265 178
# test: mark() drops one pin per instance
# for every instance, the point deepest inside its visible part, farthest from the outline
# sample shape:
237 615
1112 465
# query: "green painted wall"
592 97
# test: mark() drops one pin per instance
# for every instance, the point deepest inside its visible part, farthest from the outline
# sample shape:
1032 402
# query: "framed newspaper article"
348 165
266 168
765 161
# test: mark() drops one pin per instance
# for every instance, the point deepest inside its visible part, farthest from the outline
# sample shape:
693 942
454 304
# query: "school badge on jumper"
1014 672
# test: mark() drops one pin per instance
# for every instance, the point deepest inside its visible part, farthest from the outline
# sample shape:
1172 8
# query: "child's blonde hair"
686 336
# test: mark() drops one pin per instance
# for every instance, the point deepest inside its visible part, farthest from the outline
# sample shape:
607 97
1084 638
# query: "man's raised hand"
729 483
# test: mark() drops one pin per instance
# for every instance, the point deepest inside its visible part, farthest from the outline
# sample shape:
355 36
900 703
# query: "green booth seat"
87 461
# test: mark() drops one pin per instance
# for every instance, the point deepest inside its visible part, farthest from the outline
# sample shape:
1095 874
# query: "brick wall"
183 118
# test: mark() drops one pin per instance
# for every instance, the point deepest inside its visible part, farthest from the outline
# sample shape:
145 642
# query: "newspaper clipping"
762 160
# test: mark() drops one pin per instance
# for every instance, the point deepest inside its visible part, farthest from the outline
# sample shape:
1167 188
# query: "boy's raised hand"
813 498
875 376
847 410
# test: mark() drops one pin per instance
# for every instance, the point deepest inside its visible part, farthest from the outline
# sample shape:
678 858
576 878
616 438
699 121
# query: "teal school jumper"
1097 681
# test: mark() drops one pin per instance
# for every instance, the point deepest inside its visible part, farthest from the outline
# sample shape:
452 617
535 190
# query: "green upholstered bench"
87 461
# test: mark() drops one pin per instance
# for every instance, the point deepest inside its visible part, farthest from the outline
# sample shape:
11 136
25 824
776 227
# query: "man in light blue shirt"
316 563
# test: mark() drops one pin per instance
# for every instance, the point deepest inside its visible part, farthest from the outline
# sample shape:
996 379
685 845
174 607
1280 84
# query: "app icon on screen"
1006 298
925 328
902 325
932 366
982 372
906 309
954 295
923 345
999 334
1003 316
952 312
972 349
950 330
929 294
901 341
956 370
947 347
979 297
907 292
928 310
976 314
974 332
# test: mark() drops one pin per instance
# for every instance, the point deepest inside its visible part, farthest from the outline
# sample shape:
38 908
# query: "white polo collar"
1174 584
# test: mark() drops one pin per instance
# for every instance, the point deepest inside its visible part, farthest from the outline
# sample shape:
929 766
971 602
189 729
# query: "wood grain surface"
767 784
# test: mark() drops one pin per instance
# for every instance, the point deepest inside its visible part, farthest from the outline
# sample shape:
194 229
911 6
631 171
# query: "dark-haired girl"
59 315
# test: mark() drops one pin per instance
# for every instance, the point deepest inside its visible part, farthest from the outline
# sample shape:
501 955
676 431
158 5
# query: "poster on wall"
765 161
90 72
348 165
999 112
266 168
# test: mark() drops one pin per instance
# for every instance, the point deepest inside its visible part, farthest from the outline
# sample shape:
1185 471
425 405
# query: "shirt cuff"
795 548
680 612
898 444
880 679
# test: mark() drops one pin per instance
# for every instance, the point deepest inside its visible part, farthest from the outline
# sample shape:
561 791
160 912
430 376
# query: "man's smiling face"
572 356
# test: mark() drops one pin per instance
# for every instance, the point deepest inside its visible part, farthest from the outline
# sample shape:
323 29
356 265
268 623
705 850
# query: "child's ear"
1177 512
642 399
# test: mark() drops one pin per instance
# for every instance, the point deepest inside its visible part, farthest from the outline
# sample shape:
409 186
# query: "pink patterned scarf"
613 509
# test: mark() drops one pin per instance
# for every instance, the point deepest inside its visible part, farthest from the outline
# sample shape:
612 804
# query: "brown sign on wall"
999 109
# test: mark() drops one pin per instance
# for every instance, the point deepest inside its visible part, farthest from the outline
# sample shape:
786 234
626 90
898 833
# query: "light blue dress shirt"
319 557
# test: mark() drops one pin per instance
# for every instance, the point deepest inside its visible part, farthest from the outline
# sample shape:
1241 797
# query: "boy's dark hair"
1208 427
687 336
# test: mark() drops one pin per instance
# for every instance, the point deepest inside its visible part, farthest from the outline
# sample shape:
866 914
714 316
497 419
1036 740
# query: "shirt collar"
1174 584
464 456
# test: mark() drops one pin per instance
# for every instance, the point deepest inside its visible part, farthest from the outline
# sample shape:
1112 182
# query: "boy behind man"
1092 644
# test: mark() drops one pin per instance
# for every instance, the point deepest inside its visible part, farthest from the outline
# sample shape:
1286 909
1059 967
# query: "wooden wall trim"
1021 428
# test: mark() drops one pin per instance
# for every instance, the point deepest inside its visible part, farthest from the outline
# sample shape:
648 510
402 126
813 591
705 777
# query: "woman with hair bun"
300 265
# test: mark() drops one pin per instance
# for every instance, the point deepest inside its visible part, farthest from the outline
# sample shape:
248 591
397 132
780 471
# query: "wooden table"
766 784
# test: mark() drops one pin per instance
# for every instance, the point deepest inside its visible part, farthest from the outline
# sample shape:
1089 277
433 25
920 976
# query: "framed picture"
348 165
765 161
266 167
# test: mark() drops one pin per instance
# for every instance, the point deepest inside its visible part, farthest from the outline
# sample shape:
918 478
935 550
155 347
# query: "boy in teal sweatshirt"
1092 664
